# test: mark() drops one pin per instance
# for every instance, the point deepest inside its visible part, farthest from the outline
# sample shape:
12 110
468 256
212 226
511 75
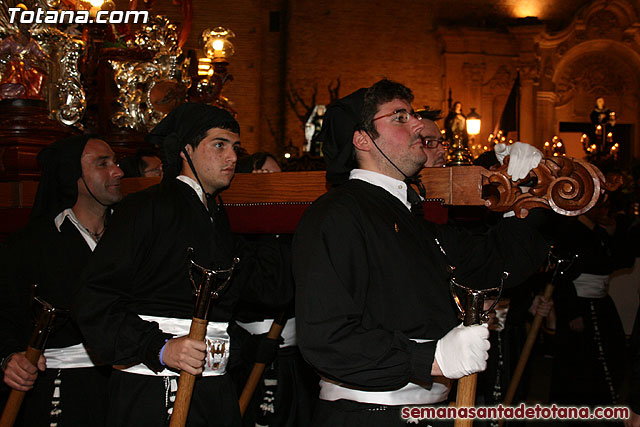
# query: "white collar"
68 213
394 186
193 184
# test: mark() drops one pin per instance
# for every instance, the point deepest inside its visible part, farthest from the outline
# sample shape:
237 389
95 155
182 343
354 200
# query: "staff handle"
197 331
258 368
12 407
466 397
526 352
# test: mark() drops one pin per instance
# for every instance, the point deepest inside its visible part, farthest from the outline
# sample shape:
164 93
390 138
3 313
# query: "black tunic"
369 276
288 388
40 254
141 267
588 366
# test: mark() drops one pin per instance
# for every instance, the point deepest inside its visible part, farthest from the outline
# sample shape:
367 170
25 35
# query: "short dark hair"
253 162
260 157
231 126
134 166
430 114
141 154
381 92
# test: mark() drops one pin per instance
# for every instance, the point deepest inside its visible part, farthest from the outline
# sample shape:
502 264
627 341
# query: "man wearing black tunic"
79 181
589 334
373 309
138 300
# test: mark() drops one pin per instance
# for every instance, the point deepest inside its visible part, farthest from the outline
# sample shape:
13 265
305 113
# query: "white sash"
75 356
217 339
592 285
411 394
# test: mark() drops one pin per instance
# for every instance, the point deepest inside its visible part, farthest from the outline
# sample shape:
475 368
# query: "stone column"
545 127
528 82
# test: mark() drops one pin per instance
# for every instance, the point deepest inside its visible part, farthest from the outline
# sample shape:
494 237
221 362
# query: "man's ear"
189 149
81 187
361 141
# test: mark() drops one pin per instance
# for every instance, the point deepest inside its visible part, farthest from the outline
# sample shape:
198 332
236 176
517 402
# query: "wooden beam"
453 186
17 194
274 203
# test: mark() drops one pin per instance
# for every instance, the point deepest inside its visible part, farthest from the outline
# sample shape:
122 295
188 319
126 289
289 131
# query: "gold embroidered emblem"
217 354
395 225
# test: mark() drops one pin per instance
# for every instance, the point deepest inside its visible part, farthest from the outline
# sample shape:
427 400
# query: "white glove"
522 158
463 351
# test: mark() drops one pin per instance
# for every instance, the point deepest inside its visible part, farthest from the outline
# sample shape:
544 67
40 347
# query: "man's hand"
522 158
185 354
20 374
577 324
541 306
463 351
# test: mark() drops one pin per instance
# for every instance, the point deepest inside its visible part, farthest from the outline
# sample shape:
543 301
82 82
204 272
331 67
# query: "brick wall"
360 42
318 42
314 43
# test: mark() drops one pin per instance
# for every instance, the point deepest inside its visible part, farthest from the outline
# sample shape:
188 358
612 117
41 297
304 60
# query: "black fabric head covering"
61 169
129 166
340 122
181 126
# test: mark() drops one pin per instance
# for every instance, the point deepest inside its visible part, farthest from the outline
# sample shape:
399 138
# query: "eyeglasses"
433 143
152 172
402 116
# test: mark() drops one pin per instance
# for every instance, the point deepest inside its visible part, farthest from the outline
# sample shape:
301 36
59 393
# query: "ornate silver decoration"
148 90
64 91
69 102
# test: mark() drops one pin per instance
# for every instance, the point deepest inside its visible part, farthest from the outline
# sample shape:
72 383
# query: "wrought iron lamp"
473 123
212 68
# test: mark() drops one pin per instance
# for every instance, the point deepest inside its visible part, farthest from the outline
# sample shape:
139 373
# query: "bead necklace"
95 236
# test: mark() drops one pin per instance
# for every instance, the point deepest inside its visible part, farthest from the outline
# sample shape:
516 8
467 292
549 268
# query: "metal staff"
43 326
204 292
473 314
559 267
258 368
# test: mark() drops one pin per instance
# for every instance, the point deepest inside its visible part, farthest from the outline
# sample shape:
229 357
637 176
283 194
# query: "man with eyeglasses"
434 145
145 163
373 308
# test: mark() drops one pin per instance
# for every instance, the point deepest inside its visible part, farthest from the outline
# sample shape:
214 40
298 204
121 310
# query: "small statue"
601 115
312 129
455 124
599 143
24 66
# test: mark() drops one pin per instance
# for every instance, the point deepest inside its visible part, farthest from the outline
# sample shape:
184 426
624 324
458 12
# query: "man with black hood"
79 181
373 307
136 307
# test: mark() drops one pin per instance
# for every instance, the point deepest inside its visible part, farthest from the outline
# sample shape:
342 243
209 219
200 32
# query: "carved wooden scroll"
568 186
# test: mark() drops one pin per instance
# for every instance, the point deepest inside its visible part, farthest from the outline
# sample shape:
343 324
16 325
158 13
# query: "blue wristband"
162 351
